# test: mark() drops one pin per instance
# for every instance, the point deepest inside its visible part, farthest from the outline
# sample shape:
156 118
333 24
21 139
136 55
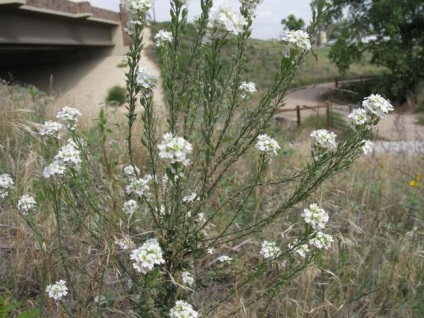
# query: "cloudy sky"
267 24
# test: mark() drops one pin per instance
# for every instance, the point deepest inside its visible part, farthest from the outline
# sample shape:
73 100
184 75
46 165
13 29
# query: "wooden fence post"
328 113
298 114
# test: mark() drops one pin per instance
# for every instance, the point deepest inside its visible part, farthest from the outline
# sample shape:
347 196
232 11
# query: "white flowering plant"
162 229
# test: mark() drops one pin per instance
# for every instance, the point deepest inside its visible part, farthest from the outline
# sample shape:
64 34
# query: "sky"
268 20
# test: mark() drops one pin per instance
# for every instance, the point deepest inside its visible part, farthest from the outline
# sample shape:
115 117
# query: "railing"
331 120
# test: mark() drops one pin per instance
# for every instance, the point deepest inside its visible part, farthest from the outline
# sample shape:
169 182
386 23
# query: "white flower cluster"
68 156
323 141
367 146
270 250
26 204
315 216
374 108
58 290
359 118
175 149
183 310
51 129
187 278
129 207
224 19
297 40
6 184
146 80
69 116
163 37
131 171
376 105
301 250
247 89
147 256
139 186
267 144
137 8
321 240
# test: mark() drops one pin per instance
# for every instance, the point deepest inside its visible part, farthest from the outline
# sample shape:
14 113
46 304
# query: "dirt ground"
89 90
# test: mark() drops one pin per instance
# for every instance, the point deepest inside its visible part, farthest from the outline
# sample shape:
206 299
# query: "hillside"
263 57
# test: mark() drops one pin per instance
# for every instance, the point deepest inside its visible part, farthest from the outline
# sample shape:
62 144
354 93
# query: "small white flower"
315 216
139 186
187 278
58 290
321 240
131 171
51 129
175 149
247 89
146 80
367 146
69 156
191 198
6 184
267 144
225 259
163 37
183 310
359 118
125 243
376 106
129 207
297 40
224 19
147 256
54 169
270 250
323 141
26 204
210 250
301 250
69 116
137 8
100 300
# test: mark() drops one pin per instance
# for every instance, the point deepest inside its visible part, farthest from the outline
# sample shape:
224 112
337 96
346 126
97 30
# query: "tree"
391 31
291 23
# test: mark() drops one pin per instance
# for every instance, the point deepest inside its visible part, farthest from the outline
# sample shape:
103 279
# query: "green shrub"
116 96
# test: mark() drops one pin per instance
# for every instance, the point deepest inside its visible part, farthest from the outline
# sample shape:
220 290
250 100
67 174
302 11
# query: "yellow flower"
414 183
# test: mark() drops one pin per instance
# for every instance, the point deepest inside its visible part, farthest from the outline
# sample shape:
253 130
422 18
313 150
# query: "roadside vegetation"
375 267
213 218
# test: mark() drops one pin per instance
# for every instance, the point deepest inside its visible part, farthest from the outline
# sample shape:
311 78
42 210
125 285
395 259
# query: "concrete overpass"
40 37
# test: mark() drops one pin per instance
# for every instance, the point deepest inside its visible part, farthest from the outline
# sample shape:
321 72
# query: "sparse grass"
420 118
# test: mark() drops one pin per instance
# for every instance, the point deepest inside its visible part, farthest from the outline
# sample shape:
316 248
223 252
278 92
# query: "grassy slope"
263 58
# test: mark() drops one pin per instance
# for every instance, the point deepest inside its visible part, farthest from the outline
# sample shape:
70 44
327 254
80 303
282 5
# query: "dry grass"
375 268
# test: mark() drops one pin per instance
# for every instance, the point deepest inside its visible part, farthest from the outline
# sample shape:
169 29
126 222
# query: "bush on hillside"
116 96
